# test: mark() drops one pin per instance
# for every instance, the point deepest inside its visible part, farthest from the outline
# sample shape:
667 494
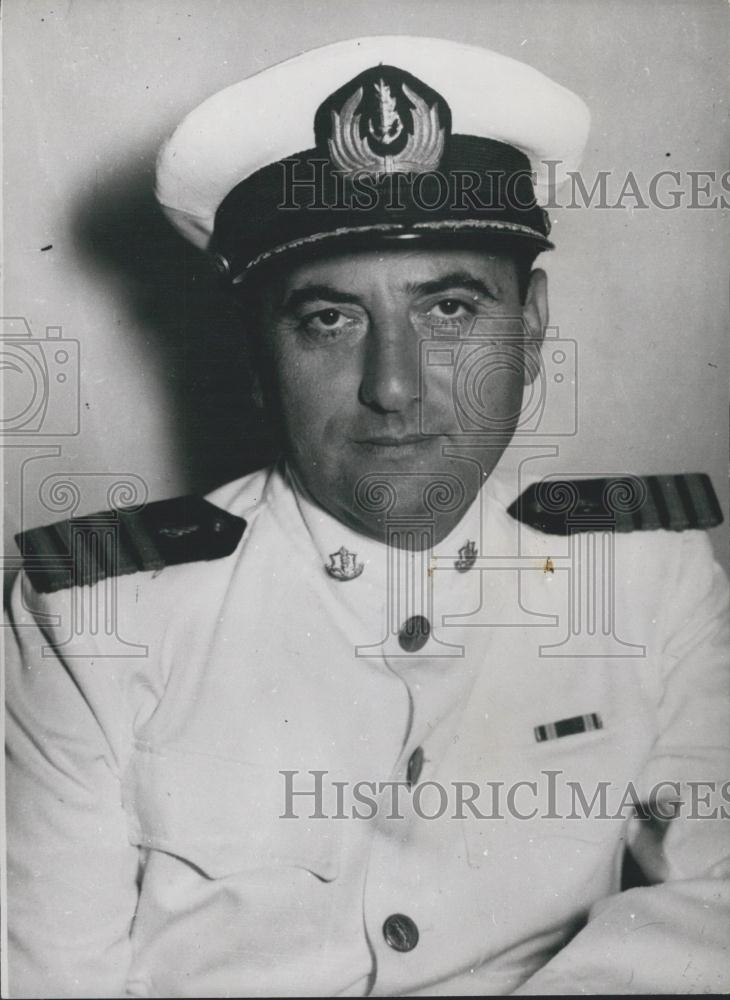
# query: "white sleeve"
672 936
71 870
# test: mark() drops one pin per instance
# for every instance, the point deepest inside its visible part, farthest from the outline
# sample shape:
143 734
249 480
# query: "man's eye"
329 317
449 309
326 323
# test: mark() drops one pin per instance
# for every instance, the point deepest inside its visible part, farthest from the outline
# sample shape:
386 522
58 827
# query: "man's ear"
535 317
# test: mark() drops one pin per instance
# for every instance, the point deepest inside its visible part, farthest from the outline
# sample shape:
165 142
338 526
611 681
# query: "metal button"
400 933
415 766
414 634
221 265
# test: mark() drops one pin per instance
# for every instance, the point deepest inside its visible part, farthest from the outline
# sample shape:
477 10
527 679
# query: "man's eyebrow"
454 279
309 293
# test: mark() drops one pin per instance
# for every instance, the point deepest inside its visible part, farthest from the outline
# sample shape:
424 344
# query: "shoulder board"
84 550
619 503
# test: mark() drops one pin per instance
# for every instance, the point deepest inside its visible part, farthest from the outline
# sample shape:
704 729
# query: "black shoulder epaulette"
619 503
84 550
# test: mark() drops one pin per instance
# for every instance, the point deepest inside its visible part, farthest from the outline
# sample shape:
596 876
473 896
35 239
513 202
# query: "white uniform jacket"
201 765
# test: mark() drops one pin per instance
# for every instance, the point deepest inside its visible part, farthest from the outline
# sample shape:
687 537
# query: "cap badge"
344 565
385 126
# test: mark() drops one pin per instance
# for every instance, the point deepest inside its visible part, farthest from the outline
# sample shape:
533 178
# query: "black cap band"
480 185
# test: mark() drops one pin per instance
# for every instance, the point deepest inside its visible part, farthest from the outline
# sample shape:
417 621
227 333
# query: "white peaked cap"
270 116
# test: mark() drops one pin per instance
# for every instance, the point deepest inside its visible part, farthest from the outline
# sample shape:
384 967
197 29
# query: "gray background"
93 87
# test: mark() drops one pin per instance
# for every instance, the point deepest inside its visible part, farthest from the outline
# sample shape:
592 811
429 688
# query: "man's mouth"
394 441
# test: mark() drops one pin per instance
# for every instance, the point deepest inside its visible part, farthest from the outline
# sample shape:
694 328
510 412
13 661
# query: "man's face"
399 376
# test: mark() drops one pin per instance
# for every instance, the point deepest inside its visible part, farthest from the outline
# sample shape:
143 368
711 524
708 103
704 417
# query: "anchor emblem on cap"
389 125
344 565
386 126
467 556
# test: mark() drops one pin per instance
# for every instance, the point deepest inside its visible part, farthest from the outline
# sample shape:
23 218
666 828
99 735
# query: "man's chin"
380 496
374 488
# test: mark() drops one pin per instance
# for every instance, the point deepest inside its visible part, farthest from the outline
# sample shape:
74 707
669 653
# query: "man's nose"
391 373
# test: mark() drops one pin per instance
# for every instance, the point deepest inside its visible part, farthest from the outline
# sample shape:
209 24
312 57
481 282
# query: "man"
379 726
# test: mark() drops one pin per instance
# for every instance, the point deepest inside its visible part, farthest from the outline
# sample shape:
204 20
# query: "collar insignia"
384 121
344 565
467 556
